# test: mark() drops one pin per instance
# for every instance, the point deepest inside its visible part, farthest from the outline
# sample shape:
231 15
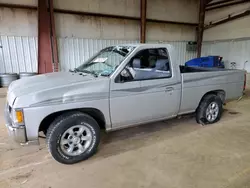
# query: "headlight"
17 116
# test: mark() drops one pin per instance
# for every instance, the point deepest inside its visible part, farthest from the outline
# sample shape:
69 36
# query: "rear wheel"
73 137
209 110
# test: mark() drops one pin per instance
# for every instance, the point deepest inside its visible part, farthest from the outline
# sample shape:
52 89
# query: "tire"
203 110
61 137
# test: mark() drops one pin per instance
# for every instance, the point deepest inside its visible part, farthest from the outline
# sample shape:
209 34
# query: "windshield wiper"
86 71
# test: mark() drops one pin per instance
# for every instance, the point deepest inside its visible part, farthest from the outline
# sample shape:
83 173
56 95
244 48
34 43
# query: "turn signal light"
19 116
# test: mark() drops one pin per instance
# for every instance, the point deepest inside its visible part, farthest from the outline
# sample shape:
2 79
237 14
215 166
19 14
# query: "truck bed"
197 81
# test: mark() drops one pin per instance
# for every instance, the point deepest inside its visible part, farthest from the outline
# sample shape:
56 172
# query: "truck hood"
36 89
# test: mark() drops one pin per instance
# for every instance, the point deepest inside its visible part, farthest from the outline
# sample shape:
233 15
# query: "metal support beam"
200 26
143 21
227 4
53 37
9 5
208 1
44 38
219 3
229 19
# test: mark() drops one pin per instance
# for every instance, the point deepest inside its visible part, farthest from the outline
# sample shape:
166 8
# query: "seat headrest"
161 64
136 63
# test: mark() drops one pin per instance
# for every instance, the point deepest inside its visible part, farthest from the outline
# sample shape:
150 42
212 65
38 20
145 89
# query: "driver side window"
148 64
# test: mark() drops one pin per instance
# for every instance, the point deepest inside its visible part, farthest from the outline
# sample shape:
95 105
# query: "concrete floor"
173 154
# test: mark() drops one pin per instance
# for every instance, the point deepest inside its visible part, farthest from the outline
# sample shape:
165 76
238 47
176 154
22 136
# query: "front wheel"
73 137
209 110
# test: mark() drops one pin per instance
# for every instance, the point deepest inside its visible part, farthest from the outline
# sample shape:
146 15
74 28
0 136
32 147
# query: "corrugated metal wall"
74 51
18 54
231 51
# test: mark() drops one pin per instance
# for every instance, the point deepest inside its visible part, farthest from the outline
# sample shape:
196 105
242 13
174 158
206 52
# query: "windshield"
106 61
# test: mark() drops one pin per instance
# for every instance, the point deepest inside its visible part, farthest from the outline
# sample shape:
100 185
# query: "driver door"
124 100
144 99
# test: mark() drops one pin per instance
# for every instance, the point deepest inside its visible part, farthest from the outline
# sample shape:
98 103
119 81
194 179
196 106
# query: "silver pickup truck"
120 86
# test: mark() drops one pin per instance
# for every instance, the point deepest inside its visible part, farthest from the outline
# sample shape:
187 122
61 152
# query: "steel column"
200 27
44 40
53 37
143 21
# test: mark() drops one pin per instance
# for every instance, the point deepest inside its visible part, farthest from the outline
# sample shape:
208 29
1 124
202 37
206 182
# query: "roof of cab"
169 47
147 45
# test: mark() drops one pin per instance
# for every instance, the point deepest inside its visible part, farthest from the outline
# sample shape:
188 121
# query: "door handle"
169 89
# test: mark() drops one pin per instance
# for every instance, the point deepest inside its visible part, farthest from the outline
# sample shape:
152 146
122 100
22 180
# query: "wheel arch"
93 112
220 93
203 104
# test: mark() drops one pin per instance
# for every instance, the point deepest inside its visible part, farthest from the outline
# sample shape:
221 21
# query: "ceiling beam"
227 4
219 3
229 19
208 1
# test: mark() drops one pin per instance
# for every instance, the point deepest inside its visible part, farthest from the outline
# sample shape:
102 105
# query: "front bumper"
18 134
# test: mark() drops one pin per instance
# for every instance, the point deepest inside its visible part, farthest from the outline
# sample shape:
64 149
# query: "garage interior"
43 36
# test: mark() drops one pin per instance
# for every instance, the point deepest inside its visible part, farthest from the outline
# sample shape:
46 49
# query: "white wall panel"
173 10
103 28
116 7
74 51
236 29
17 22
239 28
169 32
215 14
18 54
99 28
231 51
20 2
